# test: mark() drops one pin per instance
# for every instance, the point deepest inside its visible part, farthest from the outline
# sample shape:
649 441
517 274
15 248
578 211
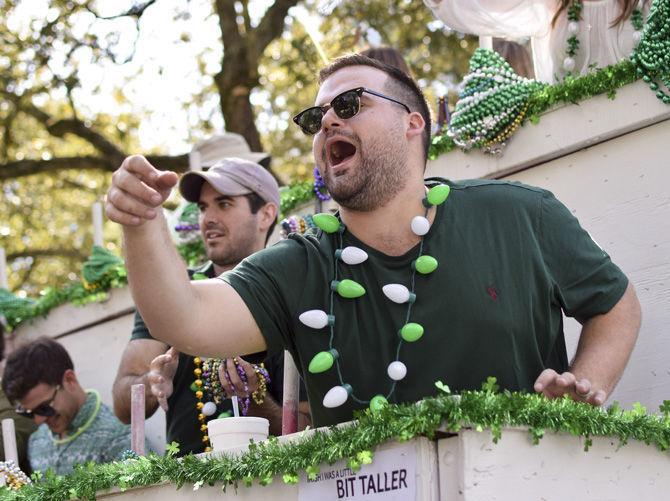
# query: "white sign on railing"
391 477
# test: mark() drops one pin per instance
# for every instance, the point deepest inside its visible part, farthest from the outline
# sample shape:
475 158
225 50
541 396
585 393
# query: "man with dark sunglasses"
466 281
74 426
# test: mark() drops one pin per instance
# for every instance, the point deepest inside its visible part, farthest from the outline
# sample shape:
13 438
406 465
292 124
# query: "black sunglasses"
345 105
44 409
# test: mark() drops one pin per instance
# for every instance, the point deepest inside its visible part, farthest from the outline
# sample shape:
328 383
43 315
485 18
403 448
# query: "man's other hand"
161 374
554 385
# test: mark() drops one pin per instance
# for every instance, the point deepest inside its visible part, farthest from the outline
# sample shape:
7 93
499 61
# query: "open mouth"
340 151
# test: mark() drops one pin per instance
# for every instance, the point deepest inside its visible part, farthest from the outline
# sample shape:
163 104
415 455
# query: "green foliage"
297 193
472 409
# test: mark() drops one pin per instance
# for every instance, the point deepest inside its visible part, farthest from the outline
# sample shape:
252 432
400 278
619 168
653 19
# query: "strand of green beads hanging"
574 13
410 332
652 55
492 104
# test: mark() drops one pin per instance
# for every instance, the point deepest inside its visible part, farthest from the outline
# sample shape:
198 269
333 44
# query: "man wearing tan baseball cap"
238 201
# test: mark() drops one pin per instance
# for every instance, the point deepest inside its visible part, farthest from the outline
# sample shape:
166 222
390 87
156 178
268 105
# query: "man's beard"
379 177
228 256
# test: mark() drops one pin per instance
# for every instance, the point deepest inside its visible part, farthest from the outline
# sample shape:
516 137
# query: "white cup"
231 432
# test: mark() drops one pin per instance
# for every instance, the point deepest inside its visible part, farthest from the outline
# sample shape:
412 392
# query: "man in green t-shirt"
405 288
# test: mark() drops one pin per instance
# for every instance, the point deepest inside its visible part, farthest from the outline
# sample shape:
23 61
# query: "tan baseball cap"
231 177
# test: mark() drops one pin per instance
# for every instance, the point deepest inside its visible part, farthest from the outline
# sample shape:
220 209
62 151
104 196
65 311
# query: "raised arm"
192 317
603 351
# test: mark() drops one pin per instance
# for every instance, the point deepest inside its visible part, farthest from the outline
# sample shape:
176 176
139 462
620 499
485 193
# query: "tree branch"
59 128
135 11
21 168
230 34
272 25
35 253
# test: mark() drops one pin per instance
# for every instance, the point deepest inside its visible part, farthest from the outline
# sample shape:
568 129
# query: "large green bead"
425 264
411 332
349 289
438 194
322 361
327 222
377 403
194 387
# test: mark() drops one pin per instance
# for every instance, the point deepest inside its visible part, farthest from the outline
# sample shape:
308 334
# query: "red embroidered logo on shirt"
492 292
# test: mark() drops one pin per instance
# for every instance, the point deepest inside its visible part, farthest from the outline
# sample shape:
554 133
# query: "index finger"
546 378
141 167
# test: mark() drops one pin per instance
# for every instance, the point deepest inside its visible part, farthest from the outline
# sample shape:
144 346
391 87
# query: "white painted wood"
70 318
9 441
485 42
96 213
560 132
3 269
473 468
277 491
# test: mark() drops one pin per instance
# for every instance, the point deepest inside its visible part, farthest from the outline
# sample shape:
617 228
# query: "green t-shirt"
511 258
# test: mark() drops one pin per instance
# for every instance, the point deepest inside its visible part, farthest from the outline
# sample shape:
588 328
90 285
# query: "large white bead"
568 64
637 36
353 255
397 293
397 370
316 319
209 408
335 397
420 225
573 27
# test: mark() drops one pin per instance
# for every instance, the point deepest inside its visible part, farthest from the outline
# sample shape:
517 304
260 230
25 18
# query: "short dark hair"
40 361
400 85
255 204
387 55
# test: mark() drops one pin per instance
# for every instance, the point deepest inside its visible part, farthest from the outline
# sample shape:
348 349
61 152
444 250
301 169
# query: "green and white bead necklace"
410 332
652 55
574 16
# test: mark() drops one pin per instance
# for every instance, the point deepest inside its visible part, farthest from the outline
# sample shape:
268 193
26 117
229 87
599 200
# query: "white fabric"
599 44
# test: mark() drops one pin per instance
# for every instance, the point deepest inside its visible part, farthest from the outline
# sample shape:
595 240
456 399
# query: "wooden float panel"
473 468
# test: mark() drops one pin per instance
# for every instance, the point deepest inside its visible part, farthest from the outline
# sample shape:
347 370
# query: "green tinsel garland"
571 90
474 409
295 194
